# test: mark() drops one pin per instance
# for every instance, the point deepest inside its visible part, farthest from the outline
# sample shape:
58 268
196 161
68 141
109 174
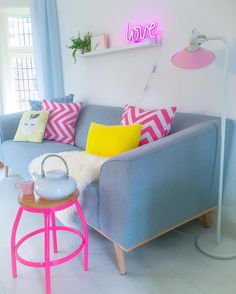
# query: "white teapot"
54 184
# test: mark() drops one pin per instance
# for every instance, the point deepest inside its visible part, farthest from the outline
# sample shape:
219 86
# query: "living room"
117 128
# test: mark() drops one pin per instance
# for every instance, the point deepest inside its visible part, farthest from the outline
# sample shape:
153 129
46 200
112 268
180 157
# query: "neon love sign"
139 33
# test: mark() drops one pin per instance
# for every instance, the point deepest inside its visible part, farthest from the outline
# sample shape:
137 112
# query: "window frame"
8 52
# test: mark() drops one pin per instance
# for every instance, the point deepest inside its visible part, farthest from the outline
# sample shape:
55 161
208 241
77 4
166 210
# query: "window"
24 80
20 32
22 60
19 66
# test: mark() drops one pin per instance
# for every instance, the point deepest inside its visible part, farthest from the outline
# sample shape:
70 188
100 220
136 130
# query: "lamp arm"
197 39
217 38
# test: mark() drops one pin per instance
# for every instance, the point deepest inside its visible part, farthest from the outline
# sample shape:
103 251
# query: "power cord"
148 84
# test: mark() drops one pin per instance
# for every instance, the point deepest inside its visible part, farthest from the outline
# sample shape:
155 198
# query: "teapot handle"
53 155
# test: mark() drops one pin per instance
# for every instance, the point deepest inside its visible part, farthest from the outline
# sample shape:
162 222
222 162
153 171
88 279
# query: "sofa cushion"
107 115
156 123
112 140
32 126
36 104
62 121
18 155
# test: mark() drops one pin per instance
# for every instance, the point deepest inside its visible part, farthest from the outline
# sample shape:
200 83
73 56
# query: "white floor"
168 265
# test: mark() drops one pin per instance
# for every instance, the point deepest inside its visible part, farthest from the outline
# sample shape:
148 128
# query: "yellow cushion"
32 126
112 140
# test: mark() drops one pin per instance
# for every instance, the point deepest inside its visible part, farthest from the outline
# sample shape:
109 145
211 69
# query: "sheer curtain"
3 48
1 83
46 43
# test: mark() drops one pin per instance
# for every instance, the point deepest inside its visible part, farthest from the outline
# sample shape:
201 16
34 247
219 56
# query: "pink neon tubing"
49 216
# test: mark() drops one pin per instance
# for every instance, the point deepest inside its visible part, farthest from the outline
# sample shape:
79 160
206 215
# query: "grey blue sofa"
143 193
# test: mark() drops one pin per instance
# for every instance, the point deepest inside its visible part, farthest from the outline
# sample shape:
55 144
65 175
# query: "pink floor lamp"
194 57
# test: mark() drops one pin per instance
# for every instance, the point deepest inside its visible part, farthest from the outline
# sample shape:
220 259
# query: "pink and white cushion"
62 121
156 123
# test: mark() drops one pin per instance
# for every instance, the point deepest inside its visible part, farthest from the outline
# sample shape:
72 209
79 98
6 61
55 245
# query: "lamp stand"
217 245
208 245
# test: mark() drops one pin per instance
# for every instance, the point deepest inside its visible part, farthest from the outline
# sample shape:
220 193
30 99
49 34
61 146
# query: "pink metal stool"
48 207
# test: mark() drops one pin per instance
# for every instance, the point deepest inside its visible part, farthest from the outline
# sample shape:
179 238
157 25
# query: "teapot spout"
35 175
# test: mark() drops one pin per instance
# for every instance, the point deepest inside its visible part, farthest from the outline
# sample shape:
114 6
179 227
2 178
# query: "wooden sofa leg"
6 171
120 259
207 220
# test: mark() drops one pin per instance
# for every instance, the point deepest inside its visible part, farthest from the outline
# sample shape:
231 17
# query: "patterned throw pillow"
62 121
156 123
32 126
36 104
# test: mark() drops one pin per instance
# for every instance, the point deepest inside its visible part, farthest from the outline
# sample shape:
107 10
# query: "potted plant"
80 44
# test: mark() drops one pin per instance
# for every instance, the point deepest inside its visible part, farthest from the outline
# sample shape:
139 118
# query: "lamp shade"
193 59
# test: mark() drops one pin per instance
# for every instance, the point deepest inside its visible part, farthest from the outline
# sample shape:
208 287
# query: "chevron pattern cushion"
155 123
62 121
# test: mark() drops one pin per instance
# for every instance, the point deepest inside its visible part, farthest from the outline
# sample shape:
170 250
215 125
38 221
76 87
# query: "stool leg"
47 251
85 229
13 242
54 233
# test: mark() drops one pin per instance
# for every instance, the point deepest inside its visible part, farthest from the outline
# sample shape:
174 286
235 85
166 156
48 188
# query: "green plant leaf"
80 43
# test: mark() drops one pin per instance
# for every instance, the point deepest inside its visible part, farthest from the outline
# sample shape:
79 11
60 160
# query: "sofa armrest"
157 186
8 125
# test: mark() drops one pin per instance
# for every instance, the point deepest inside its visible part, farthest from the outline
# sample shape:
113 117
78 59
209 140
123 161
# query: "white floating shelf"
146 44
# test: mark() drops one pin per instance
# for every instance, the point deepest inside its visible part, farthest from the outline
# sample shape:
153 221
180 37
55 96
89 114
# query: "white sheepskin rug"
84 167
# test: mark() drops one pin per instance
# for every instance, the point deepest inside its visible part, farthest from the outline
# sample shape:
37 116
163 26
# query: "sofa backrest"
185 120
111 115
107 115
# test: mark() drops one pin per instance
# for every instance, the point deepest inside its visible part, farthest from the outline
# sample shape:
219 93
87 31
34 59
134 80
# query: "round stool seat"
35 202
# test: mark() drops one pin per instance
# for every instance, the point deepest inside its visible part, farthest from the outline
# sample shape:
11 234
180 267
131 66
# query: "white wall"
14 3
120 78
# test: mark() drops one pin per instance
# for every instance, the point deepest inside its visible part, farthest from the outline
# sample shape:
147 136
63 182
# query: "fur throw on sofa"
84 167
